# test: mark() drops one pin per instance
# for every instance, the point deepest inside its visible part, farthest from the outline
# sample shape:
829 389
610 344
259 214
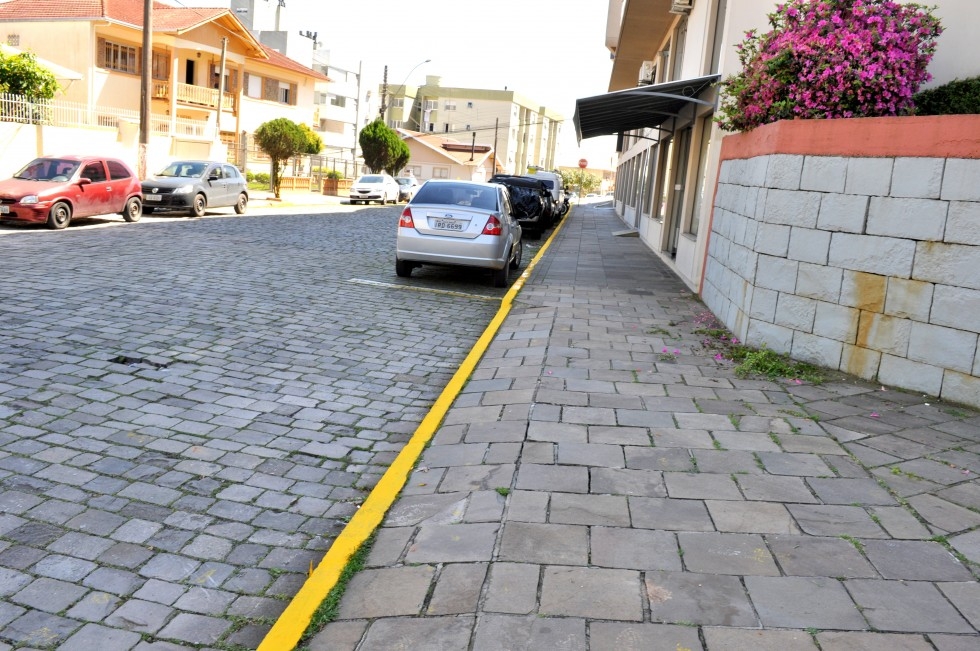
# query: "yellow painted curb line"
292 623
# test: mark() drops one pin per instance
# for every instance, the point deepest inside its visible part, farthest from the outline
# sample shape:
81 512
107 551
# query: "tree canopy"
382 149
314 143
21 74
280 139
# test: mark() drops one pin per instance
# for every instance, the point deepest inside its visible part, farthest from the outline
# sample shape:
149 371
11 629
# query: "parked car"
462 223
380 187
194 186
53 190
556 186
407 187
532 202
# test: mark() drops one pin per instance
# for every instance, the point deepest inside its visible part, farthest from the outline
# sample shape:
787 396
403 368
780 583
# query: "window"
397 102
450 105
702 190
284 95
95 172
440 172
122 58
161 66
430 105
13 39
230 172
117 170
338 100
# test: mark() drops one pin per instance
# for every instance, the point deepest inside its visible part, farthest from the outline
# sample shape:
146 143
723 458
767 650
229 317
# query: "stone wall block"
862 362
775 337
792 207
960 388
755 171
809 245
914 376
772 239
863 290
916 219
824 173
751 232
843 212
836 322
942 346
764 304
816 350
909 299
776 273
725 171
947 264
885 333
960 180
963 222
888 256
869 176
819 282
796 312
956 307
917 177
784 172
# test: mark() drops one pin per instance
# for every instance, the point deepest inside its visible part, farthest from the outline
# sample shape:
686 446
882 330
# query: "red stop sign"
583 163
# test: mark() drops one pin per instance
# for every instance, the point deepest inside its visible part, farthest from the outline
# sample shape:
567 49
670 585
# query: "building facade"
668 54
521 132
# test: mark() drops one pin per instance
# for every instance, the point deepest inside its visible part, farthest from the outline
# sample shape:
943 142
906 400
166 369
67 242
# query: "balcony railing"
194 95
57 113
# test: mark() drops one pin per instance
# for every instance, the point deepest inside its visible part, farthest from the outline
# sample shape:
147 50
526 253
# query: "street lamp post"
399 89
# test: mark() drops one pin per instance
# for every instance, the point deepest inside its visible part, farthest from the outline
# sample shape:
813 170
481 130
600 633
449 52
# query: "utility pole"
357 113
146 80
384 95
221 84
496 124
473 146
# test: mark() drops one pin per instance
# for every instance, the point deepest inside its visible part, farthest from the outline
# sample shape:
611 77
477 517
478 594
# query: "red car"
53 190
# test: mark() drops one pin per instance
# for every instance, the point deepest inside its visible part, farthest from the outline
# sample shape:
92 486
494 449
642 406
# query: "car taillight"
405 221
493 226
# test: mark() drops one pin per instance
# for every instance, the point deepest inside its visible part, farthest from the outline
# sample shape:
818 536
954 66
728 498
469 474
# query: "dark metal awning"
638 108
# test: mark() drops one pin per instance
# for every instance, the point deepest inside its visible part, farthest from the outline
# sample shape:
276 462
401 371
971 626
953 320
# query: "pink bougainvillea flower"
719 357
874 414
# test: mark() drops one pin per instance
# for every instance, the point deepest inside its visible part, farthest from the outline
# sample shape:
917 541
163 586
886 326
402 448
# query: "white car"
380 187
408 186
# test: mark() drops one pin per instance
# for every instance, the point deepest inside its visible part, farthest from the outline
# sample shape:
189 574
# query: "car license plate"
447 225
4 210
152 197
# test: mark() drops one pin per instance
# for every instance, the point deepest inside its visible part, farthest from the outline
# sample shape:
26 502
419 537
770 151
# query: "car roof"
522 181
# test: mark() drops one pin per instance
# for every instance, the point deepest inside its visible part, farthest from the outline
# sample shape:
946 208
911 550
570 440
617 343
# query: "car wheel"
148 210
198 206
384 199
242 204
515 263
353 202
403 268
134 210
59 216
500 276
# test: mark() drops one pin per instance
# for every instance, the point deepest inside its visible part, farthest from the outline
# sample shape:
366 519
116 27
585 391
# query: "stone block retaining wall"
855 244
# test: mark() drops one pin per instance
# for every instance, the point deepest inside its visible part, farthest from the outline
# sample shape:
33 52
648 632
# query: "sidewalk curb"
294 620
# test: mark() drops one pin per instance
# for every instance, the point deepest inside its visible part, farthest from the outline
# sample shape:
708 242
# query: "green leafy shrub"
958 97
334 174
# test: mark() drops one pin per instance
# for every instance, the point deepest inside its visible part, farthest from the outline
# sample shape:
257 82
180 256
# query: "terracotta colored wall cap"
930 136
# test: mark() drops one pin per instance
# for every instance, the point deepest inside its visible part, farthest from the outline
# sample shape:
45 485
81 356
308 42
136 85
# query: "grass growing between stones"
330 606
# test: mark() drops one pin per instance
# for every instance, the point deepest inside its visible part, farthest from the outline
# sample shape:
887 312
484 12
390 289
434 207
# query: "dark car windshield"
183 169
48 169
458 194
404 181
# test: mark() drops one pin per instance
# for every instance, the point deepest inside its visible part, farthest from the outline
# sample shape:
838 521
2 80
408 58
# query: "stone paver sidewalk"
604 482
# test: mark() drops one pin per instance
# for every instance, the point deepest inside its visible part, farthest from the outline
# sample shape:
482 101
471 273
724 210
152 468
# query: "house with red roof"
210 77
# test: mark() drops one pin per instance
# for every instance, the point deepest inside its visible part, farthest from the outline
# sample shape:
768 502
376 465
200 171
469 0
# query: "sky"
550 51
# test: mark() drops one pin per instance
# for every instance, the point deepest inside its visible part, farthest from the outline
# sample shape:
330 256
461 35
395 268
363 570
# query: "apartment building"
667 57
521 132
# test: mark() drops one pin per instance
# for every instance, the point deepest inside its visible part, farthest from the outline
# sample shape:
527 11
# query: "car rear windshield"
453 194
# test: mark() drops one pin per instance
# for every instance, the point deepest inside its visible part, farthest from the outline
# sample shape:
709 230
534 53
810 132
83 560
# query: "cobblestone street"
190 410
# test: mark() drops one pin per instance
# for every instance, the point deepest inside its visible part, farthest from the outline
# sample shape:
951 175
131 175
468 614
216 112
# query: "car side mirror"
84 180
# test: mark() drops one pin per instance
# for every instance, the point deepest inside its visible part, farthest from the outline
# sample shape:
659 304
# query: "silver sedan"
459 223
